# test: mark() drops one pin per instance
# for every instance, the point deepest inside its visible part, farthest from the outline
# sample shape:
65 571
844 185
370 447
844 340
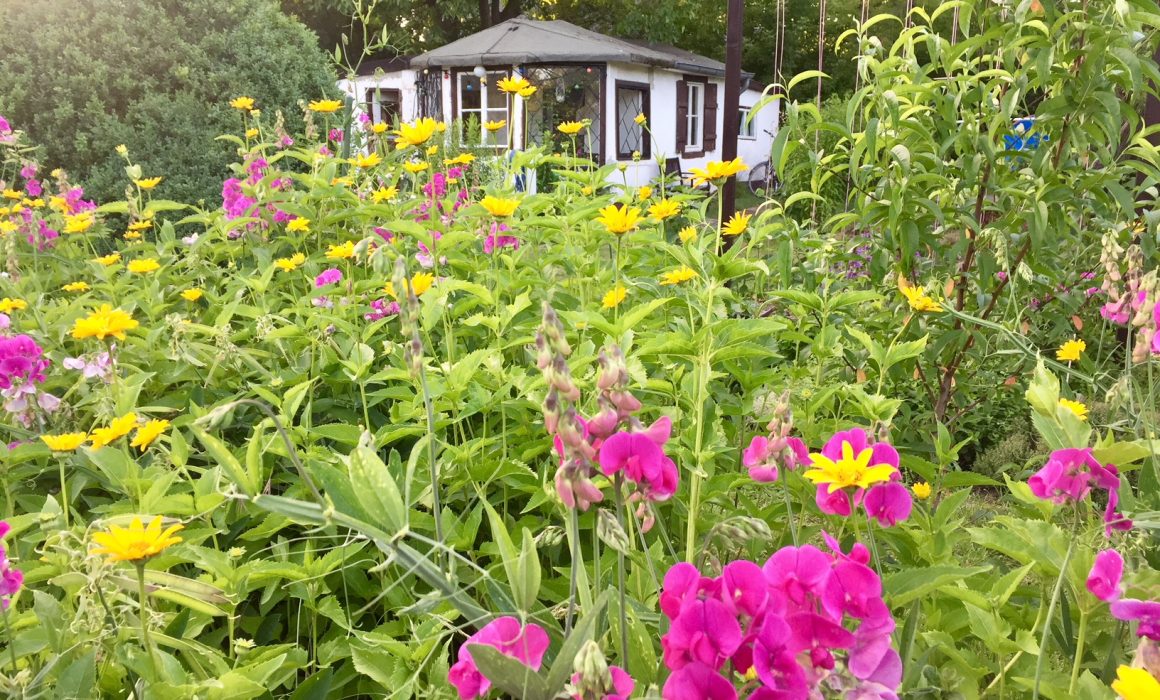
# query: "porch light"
479 72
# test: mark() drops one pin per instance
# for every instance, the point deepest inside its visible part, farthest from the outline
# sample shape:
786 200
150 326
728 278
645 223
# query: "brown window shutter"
682 114
710 138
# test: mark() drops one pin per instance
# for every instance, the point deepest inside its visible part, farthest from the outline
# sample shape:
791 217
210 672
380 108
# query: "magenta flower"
1070 474
1144 612
705 632
11 579
836 503
888 503
744 588
622 684
1104 579
798 573
1114 520
698 682
524 644
331 276
643 462
381 309
21 359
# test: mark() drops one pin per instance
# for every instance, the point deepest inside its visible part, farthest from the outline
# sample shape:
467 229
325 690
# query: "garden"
373 421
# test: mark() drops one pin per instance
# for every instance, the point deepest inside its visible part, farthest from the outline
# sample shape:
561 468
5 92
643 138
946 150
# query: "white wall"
765 121
404 81
663 124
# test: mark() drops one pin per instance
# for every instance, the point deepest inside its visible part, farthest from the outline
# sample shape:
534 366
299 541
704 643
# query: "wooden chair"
674 176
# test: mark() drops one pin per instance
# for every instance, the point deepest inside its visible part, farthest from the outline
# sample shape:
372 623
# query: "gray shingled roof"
521 41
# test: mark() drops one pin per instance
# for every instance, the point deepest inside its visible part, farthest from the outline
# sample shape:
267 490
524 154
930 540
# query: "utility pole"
732 101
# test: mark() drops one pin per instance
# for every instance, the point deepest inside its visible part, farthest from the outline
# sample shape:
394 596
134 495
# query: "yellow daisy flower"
137 542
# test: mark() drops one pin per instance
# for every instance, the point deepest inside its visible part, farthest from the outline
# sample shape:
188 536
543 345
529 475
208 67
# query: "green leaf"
221 454
527 573
911 584
375 489
509 675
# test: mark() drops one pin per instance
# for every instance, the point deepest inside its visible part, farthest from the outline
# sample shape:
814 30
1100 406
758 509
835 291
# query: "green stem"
695 483
620 567
789 509
1043 638
63 491
435 506
144 615
1079 648
11 636
574 546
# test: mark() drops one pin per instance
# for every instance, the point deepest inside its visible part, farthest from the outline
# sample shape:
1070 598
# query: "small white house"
579 74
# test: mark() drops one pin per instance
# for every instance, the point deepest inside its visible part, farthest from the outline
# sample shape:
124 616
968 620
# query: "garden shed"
579 74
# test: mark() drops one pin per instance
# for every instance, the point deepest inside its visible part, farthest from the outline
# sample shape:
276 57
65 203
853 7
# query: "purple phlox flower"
75 202
381 309
21 359
235 202
1103 580
99 366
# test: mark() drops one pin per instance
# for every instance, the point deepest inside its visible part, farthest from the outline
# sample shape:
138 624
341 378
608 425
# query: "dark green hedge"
82 76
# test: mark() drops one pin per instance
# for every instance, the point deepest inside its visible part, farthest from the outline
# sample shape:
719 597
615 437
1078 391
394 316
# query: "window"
694 118
631 101
745 128
384 105
484 102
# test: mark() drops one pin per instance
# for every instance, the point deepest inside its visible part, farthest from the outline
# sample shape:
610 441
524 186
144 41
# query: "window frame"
646 108
483 112
376 97
695 148
746 131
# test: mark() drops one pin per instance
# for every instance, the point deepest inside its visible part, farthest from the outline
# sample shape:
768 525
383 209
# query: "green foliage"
362 486
83 77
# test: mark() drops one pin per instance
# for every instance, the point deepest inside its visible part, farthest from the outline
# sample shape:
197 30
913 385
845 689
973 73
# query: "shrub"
83 77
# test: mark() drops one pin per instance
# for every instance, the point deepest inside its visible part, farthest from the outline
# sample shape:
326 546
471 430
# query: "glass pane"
469 92
629 134
495 96
566 93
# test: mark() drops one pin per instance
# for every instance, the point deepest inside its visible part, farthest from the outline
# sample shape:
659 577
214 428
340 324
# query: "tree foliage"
695 25
83 77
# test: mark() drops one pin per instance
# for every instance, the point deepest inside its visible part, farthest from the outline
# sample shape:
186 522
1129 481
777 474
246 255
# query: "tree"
82 77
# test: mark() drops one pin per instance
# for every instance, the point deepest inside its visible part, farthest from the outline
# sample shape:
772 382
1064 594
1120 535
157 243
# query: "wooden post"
732 101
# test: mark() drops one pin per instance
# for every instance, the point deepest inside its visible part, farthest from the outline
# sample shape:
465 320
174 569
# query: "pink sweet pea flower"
888 503
622 684
1145 612
1104 579
698 682
836 503
798 572
705 632
642 461
331 276
524 644
744 588
1069 476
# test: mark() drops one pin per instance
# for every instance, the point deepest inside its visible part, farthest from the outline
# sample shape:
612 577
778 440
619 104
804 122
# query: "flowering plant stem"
620 566
435 507
1043 637
702 377
11 637
143 613
1081 639
63 491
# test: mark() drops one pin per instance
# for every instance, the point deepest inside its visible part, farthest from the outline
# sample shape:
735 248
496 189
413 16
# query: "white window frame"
695 117
485 113
745 130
